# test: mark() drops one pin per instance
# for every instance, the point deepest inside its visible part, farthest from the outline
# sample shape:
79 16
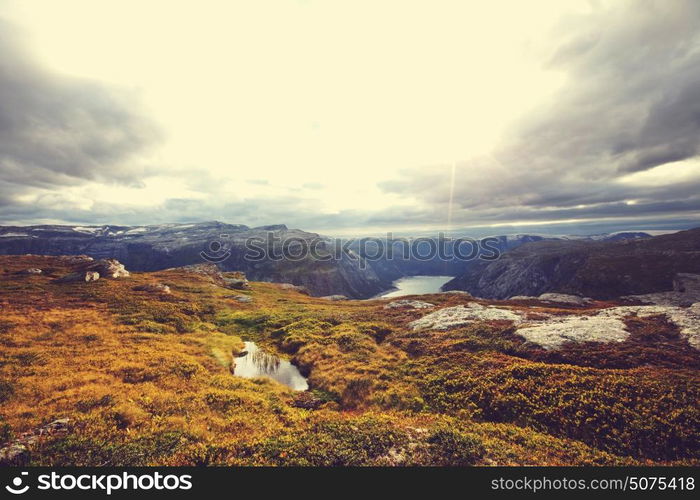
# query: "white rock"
454 317
409 304
608 325
562 298
554 333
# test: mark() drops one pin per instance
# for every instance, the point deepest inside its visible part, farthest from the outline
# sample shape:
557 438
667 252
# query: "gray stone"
31 270
409 304
458 316
153 288
562 298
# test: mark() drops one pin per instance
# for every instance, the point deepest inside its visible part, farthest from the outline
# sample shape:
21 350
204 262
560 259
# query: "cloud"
618 140
630 104
57 130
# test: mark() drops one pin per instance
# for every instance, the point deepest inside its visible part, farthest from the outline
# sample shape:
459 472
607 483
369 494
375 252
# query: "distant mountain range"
358 274
599 267
390 269
156 247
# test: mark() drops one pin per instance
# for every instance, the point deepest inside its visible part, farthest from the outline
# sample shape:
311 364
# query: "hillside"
598 269
137 370
156 247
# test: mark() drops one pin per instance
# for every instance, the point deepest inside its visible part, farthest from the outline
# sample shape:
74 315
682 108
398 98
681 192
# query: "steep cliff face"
598 269
151 248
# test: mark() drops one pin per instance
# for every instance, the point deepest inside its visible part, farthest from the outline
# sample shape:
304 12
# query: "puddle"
259 363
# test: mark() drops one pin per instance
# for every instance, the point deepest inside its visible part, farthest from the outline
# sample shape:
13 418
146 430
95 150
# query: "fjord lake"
416 285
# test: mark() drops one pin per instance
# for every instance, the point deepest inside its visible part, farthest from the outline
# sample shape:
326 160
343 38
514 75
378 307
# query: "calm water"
258 363
416 285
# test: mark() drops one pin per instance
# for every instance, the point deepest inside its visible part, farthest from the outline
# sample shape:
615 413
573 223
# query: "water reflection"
417 285
258 363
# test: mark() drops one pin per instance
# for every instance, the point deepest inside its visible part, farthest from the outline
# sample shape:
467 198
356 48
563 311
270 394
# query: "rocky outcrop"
409 304
237 283
555 332
107 268
552 331
458 316
17 453
87 270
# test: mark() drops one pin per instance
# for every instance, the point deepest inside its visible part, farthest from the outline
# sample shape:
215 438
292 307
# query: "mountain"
423 257
598 268
425 260
362 272
156 247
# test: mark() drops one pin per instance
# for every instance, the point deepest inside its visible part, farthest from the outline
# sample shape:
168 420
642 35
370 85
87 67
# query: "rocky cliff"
598 269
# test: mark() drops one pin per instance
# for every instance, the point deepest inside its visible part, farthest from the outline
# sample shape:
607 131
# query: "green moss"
74 450
361 441
451 447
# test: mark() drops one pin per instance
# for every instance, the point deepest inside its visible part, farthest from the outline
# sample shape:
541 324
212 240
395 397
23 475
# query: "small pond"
417 285
258 363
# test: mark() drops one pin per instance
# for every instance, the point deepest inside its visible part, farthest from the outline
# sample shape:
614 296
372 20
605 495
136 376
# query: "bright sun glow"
343 94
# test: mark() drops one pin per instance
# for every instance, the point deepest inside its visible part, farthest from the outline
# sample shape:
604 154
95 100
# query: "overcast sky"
353 116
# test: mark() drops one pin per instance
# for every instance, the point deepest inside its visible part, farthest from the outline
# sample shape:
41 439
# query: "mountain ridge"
597 269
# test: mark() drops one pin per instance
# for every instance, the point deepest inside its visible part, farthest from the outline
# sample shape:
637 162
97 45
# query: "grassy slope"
145 379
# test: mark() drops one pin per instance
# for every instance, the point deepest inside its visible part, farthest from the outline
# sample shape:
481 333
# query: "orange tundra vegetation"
143 377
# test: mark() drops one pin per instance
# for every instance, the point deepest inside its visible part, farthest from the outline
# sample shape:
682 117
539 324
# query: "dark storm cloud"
631 102
57 130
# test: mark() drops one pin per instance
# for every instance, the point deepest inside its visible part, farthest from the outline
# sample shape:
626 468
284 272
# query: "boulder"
209 270
87 269
79 276
236 283
297 288
108 268
408 304
91 276
562 298
14 455
31 270
153 288
59 426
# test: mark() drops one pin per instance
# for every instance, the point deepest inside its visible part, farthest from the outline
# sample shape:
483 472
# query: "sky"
351 117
